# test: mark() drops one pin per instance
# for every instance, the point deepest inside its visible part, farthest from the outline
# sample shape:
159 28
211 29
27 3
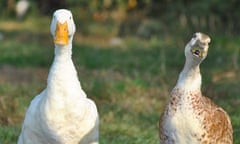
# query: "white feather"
22 7
62 113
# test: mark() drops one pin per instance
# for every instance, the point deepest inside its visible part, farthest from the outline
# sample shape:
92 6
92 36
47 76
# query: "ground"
130 82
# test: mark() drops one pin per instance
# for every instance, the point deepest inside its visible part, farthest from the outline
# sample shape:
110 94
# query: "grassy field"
130 83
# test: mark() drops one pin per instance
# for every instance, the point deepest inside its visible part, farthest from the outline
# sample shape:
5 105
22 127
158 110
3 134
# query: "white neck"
63 79
190 77
63 51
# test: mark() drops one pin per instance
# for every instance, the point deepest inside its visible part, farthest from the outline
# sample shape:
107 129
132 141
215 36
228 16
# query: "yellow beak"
61 34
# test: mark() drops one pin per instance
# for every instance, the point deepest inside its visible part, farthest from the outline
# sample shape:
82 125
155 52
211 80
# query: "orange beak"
61 34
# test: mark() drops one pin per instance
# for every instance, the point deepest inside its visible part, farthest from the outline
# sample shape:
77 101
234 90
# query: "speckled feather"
190 117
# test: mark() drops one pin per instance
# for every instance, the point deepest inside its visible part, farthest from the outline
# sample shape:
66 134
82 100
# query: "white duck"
190 117
61 114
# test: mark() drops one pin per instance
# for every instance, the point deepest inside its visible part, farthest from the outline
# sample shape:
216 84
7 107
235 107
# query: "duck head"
197 48
62 27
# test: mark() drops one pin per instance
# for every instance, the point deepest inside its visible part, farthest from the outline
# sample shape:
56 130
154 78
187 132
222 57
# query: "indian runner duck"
62 113
190 117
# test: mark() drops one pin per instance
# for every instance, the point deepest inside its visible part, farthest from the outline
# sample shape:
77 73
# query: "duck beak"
61 34
200 48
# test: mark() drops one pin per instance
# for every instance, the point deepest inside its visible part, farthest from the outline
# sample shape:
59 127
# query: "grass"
130 83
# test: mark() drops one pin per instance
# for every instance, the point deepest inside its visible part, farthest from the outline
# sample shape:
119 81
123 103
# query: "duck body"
61 113
194 119
190 117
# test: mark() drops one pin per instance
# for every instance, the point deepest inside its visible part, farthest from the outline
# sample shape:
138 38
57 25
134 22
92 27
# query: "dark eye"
70 18
195 35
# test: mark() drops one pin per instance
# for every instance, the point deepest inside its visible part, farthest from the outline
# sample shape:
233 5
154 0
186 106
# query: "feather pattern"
190 117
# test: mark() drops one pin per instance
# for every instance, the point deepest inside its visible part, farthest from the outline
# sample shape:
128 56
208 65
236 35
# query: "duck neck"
63 52
63 79
190 77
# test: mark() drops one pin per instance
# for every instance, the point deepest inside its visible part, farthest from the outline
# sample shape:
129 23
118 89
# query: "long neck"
190 77
63 52
62 79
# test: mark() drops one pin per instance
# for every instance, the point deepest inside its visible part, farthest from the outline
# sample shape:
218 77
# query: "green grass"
129 83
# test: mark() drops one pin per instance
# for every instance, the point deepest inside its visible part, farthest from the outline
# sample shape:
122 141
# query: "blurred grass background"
128 55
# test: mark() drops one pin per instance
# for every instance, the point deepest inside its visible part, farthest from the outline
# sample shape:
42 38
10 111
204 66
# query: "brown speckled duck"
190 117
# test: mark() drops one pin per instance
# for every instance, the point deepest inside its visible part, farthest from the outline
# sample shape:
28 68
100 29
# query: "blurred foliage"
216 16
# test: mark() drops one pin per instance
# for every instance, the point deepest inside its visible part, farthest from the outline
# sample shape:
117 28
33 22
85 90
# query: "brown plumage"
190 117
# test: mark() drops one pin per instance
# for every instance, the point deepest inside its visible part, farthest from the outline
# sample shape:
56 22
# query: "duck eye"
70 18
195 36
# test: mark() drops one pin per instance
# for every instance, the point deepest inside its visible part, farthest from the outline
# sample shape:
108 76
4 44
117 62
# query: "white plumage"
190 117
22 7
61 114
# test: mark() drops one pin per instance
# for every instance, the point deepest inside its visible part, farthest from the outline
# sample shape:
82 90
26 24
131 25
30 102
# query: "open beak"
61 34
200 49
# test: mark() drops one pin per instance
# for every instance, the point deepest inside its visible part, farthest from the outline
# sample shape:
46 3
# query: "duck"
190 117
21 8
62 113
